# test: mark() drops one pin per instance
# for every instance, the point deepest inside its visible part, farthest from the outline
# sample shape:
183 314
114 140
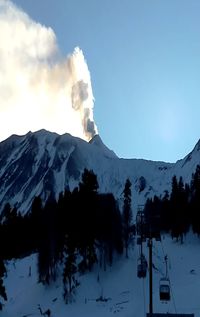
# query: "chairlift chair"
164 289
141 270
142 267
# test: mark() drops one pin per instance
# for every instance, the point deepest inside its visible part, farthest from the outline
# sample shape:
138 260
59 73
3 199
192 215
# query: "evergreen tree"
48 254
86 211
183 213
178 204
65 221
35 218
12 231
89 183
195 200
152 212
2 287
174 208
108 229
70 282
166 220
5 212
127 215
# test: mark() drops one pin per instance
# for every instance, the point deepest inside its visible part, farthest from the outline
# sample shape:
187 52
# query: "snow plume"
38 88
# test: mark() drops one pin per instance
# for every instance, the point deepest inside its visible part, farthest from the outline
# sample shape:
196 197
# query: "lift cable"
164 253
173 299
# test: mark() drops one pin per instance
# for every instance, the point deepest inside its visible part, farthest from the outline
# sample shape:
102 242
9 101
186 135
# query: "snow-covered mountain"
42 162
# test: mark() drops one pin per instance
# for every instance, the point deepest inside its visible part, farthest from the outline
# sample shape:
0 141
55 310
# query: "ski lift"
141 270
142 267
140 220
165 285
164 289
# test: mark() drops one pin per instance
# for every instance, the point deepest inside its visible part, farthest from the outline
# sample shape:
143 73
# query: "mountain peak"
197 146
97 141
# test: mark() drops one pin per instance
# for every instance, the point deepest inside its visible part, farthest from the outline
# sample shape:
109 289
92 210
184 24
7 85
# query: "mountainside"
125 294
42 162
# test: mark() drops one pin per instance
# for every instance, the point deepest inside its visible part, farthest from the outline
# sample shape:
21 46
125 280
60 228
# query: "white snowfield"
124 294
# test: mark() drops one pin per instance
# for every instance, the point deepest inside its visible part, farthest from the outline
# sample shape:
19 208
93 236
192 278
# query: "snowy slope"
96 140
43 162
126 294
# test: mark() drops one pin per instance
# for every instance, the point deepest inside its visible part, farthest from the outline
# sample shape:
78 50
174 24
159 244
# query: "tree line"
178 211
70 235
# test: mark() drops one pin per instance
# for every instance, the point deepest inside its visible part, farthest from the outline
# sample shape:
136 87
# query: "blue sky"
144 60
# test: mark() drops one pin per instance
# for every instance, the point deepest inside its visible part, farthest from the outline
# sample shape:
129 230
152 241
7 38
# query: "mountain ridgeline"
43 162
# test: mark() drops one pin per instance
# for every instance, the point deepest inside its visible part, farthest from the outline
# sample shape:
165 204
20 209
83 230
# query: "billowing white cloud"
37 88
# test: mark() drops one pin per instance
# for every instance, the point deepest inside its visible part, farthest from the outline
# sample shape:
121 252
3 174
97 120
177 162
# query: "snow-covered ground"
125 294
